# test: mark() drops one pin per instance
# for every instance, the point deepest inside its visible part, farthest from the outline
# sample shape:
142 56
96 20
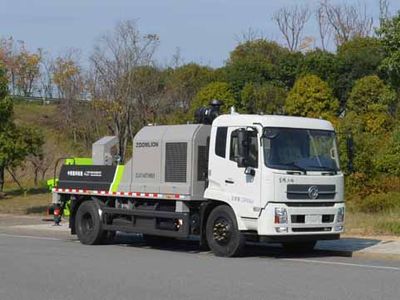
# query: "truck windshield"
300 149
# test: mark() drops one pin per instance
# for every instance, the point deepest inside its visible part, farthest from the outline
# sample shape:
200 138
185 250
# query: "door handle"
229 181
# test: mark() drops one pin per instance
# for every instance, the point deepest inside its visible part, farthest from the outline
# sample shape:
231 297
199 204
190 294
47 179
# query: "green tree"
5 102
356 58
23 66
370 92
259 48
147 85
368 120
183 83
257 61
248 69
321 63
366 145
215 90
16 143
389 161
267 98
372 101
311 97
288 68
389 34
249 98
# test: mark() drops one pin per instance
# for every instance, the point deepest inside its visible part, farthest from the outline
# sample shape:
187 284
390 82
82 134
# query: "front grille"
312 229
175 162
300 191
300 219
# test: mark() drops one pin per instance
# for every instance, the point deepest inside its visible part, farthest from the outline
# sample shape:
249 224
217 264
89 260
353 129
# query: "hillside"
36 198
57 143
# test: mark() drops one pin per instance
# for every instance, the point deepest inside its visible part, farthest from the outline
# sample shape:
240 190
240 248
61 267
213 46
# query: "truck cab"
279 174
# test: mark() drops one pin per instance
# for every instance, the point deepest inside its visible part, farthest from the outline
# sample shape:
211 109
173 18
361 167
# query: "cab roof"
272 121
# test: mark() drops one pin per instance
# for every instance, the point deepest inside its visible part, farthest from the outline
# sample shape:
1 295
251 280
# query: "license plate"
313 219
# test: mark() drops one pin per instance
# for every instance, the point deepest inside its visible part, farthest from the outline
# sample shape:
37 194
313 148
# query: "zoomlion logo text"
146 144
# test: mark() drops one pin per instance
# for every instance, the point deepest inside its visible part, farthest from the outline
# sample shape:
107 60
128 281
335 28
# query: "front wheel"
223 235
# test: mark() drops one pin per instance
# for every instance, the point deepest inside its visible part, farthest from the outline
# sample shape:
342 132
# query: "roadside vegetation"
31 201
349 74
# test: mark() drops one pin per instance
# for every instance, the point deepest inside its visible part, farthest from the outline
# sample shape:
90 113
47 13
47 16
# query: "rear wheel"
88 224
223 235
299 247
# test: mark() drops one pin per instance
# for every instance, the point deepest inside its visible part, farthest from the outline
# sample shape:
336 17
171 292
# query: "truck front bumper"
320 222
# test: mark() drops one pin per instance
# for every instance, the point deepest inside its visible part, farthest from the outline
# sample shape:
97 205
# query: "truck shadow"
339 248
344 247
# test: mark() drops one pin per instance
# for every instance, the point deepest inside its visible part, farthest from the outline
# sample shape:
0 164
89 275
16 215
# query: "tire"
88 224
222 233
299 247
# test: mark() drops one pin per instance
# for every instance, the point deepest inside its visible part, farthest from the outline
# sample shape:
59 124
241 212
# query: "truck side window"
234 151
220 141
253 148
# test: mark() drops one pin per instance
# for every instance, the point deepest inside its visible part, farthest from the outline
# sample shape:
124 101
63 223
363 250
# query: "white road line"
342 264
30 237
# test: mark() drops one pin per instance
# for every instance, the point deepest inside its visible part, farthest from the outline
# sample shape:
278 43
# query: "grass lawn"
358 223
34 202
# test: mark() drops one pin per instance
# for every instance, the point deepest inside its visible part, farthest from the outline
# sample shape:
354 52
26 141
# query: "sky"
205 31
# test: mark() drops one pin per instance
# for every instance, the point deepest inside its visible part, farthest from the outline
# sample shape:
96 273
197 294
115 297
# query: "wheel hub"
87 223
221 231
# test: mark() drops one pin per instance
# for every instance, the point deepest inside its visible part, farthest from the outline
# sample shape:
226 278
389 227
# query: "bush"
311 97
215 90
267 98
383 202
356 182
370 94
385 184
389 161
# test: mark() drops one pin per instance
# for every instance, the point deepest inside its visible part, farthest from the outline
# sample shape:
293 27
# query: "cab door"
243 185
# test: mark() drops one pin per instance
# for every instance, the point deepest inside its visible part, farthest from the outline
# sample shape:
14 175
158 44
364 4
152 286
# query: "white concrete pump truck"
228 179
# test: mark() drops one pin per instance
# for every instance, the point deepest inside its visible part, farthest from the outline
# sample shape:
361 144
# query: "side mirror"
250 171
350 152
243 148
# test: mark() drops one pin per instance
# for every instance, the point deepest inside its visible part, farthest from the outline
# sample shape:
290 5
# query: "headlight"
281 216
340 215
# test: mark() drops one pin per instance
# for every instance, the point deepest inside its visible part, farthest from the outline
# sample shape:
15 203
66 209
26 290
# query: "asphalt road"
50 268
